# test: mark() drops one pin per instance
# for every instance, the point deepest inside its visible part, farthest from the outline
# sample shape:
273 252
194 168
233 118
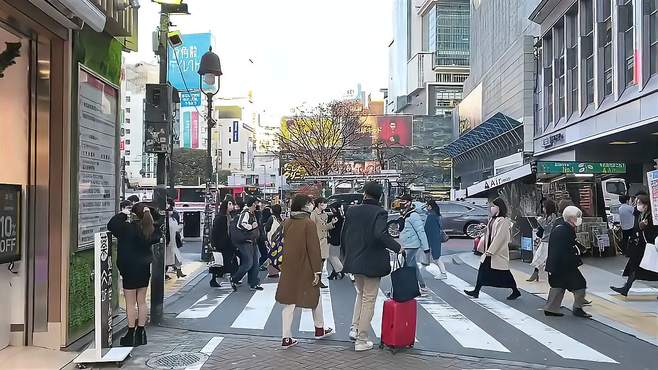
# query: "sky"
303 51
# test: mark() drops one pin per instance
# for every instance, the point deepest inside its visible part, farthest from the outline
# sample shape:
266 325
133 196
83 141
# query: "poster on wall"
97 176
395 131
10 221
652 180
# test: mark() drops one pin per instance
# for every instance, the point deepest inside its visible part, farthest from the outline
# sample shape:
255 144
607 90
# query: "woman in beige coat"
300 270
320 218
494 263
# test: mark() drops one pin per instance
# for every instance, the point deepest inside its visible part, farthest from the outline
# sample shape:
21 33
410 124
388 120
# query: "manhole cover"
179 360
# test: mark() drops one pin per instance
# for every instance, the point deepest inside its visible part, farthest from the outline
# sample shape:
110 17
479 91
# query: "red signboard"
394 130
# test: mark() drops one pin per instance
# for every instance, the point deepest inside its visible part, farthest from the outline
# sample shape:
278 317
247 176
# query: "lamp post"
210 71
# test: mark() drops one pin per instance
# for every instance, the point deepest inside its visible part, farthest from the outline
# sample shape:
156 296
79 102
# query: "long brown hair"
146 223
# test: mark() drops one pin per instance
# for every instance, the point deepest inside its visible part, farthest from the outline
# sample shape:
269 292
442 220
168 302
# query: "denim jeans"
411 261
248 264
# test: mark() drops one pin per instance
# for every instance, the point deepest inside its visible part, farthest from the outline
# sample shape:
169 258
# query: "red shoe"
321 333
288 342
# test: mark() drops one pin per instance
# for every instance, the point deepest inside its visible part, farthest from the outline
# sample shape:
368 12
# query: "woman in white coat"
173 256
494 264
547 222
320 218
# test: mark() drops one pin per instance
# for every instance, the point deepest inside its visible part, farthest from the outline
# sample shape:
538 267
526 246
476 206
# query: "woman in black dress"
222 243
135 232
494 264
647 233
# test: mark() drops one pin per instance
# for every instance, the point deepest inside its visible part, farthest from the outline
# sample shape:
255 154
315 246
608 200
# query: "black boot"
515 294
140 336
128 340
472 293
623 290
180 274
214 283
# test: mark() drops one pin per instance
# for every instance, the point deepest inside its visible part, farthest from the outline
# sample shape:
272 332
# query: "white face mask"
494 210
579 221
309 207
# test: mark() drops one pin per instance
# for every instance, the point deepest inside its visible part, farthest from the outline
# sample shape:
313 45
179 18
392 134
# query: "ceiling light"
623 142
583 175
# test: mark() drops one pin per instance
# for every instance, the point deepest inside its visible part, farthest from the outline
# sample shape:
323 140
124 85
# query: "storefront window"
572 58
548 80
560 72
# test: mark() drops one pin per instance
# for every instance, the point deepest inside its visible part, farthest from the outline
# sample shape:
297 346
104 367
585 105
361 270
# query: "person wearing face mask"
319 216
546 222
413 238
494 264
221 242
562 265
647 234
301 270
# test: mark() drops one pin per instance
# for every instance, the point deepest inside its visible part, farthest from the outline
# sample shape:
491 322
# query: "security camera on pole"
210 72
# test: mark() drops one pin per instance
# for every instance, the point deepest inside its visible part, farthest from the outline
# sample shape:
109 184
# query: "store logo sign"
552 140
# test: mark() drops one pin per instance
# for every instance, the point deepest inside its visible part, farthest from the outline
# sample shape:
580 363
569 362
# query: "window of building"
539 107
127 163
127 110
127 152
127 98
127 141
548 80
229 128
651 7
128 131
127 120
242 155
587 48
626 26
453 23
560 72
229 153
229 140
572 58
605 44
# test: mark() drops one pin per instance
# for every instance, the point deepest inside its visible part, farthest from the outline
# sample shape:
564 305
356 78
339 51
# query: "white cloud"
303 50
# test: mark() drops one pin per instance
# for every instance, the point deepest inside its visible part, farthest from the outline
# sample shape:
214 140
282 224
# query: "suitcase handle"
399 263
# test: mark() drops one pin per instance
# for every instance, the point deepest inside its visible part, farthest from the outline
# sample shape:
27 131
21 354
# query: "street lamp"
210 71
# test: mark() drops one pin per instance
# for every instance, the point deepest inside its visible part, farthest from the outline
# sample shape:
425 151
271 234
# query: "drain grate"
179 360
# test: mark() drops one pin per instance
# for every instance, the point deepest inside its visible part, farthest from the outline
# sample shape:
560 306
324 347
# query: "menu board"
97 176
10 216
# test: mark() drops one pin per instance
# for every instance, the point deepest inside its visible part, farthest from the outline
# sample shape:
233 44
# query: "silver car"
457 218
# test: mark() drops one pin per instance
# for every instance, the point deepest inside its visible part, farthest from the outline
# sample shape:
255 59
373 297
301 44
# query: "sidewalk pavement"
636 314
181 349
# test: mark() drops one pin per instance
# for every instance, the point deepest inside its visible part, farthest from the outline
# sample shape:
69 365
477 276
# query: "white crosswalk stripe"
563 345
258 310
465 331
205 305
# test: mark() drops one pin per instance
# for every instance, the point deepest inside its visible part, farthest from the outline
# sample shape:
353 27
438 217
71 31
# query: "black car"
343 199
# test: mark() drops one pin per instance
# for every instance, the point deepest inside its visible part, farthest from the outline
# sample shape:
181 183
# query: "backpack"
238 235
275 247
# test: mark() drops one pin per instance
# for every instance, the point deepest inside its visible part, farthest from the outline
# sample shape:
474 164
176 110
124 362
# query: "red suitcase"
398 324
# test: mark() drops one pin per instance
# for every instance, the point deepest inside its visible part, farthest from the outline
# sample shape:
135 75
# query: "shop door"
14 156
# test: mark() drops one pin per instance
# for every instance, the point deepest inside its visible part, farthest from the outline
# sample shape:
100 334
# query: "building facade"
429 56
597 84
60 146
138 165
495 118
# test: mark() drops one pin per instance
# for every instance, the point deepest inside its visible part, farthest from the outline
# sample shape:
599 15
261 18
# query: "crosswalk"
437 313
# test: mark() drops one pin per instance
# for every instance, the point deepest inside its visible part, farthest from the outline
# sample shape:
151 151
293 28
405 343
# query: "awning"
497 131
499 180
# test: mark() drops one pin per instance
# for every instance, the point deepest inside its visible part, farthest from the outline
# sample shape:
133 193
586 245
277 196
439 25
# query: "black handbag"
404 282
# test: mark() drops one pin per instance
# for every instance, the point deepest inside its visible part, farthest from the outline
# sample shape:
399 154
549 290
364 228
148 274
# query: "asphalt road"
448 321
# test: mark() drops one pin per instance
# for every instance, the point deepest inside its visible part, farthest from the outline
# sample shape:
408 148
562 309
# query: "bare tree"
316 138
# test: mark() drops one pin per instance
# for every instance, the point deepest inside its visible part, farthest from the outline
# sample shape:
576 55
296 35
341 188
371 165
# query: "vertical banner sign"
103 293
97 174
195 130
10 220
184 61
236 128
652 178
187 143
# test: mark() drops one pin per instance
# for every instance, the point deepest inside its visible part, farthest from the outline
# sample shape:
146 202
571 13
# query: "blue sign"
187 127
235 131
190 99
526 244
183 66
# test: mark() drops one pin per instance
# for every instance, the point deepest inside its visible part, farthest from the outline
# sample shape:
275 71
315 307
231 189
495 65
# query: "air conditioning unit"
85 10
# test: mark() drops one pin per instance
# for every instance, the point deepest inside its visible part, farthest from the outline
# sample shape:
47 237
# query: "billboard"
186 142
394 130
184 60
195 130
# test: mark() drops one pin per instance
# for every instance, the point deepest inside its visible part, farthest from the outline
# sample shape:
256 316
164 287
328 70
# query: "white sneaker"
353 334
363 346
441 277
424 292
